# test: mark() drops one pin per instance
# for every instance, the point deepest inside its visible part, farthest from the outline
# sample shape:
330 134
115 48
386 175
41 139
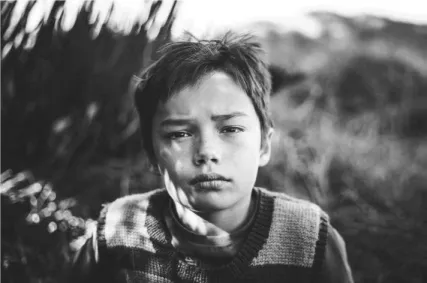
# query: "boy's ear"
153 165
265 151
155 169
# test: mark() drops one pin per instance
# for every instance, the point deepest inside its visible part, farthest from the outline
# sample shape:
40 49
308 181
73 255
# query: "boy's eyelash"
184 134
177 135
234 128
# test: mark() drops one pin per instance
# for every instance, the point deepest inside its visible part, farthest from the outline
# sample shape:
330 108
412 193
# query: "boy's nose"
206 153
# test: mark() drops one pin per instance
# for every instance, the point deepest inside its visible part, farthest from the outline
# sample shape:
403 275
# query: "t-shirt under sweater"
290 240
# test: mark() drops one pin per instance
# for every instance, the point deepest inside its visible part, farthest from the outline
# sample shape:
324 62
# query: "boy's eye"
177 135
232 130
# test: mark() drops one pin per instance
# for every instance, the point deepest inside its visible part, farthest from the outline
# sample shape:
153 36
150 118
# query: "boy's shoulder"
288 201
297 228
127 220
140 200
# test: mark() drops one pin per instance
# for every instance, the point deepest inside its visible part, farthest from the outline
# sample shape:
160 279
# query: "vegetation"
69 130
350 114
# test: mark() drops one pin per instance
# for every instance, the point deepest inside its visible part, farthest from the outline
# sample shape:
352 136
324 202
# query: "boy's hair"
185 63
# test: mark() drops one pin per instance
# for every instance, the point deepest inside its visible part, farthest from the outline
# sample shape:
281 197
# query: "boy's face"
207 143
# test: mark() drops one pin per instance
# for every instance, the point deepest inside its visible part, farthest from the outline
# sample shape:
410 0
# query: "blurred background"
349 104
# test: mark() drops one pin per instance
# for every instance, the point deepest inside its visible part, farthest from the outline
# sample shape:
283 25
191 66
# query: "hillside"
350 109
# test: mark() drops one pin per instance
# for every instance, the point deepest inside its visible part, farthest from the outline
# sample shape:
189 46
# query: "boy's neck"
217 222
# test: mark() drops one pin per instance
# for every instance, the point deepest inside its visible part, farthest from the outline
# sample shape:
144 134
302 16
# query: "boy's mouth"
208 179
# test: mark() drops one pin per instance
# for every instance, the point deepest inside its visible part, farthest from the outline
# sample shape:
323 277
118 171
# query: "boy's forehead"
213 83
215 93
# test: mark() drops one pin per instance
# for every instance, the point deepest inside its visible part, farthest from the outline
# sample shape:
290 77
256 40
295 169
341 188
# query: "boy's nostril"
201 159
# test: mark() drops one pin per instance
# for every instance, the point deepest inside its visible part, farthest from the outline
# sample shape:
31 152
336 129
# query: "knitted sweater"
286 243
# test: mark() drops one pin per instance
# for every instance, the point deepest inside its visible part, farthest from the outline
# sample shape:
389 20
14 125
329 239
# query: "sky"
204 16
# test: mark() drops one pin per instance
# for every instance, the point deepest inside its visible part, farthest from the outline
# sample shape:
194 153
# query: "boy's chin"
208 205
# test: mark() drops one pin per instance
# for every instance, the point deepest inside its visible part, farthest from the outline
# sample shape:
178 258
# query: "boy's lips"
211 180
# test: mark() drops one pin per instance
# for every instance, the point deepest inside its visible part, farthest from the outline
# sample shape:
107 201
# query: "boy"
203 108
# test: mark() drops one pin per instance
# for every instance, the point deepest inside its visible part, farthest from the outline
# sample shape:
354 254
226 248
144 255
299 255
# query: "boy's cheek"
173 157
167 151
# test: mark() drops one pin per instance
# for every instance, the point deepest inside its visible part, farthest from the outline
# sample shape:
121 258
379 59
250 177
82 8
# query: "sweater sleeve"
85 263
335 268
88 265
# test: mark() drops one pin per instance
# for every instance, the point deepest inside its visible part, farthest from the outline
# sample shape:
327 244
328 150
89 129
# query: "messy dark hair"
185 63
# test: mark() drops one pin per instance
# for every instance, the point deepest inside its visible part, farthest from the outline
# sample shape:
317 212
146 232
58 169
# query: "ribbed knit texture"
286 242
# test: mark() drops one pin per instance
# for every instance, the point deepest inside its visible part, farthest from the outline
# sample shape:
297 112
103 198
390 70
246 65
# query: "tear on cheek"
165 153
170 160
178 166
168 152
177 148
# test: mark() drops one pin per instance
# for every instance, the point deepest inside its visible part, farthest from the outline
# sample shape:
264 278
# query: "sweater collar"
257 236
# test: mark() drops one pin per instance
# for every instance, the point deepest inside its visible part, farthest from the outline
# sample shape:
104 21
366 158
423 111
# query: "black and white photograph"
173 141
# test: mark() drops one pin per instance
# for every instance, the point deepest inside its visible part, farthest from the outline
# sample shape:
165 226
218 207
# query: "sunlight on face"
192 221
207 143
176 193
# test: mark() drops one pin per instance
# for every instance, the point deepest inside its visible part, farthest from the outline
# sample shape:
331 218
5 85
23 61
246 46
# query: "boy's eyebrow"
174 122
229 116
221 117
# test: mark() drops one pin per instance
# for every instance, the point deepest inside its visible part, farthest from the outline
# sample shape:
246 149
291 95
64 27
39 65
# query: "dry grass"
364 165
